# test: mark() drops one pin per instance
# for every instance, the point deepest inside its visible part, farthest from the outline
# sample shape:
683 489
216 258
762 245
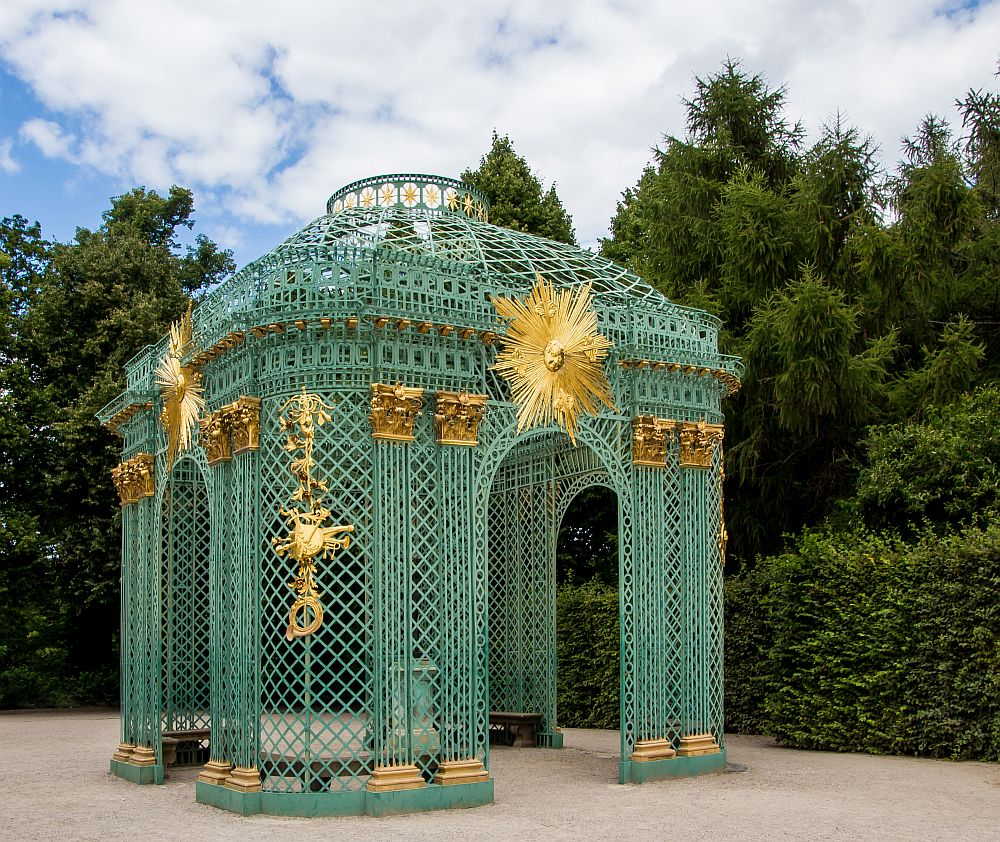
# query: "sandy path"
54 785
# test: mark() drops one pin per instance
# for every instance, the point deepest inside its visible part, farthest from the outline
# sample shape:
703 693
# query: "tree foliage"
938 474
587 544
77 312
883 623
517 199
855 297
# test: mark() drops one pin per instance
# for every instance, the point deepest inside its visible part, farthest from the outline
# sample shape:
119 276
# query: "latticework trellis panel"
316 691
530 492
657 603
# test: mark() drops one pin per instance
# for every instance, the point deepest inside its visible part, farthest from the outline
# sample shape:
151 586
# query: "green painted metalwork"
443 606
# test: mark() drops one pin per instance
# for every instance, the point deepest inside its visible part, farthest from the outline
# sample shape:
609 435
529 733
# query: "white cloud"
271 107
49 137
226 236
7 162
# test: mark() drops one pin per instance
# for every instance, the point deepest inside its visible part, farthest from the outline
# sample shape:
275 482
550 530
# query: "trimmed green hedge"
885 647
748 641
587 655
853 642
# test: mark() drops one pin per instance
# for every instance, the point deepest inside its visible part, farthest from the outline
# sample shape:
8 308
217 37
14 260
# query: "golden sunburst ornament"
180 386
552 356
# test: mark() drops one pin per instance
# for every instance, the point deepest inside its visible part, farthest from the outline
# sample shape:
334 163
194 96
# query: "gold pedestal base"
143 756
243 779
646 750
695 744
469 771
123 752
388 778
215 772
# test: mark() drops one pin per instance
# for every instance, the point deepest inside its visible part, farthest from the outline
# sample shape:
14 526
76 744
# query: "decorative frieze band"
231 430
133 479
395 410
457 416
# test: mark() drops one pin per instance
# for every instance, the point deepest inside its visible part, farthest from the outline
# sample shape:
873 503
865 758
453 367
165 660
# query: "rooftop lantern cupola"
431 193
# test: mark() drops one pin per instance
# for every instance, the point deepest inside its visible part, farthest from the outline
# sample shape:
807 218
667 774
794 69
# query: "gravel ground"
55 785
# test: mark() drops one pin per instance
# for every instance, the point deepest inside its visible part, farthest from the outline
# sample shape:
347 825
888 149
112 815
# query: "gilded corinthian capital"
133 479
649 440
698 443
457 416
244 423
231 430
395 410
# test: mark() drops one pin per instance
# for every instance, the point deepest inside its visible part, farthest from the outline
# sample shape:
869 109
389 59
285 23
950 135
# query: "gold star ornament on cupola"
181 390
552 356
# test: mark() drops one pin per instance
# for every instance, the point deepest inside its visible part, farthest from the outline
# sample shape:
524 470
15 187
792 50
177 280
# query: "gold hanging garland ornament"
553 355
307 538
181 389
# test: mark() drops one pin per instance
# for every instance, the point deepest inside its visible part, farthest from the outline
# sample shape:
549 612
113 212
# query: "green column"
147 638
221 649
700 455
457 706
127 640
244 674
392 632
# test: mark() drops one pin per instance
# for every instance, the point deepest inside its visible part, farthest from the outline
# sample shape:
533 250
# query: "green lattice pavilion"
349 573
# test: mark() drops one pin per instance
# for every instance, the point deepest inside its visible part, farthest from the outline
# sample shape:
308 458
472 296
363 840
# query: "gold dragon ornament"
180 387
552 356
307 538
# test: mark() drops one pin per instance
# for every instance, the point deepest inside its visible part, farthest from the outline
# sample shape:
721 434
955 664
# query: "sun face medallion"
553 356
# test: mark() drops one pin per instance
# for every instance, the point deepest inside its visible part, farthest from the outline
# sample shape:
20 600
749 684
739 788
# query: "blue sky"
264 109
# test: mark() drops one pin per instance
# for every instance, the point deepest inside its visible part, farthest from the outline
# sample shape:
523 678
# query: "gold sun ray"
180 386
552 356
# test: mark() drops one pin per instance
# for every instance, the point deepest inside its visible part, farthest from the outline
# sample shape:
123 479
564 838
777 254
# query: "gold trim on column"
391 778
395 410
215 772
244 422
457 416
214 437
698 443
143 756
133 478
649 440
123 752
244 779
697 744
231 430
469 771
647 750
723 532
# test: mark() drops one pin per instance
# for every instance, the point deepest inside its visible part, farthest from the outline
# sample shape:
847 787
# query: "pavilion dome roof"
419 250
446 220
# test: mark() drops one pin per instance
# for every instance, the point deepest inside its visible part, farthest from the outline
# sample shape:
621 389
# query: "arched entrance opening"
531 491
